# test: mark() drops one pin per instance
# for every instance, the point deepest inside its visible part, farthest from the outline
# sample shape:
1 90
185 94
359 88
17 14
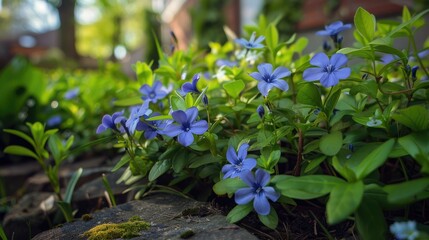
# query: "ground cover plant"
258 121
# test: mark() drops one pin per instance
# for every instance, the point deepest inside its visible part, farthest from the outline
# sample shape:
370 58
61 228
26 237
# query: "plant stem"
297 169
413 42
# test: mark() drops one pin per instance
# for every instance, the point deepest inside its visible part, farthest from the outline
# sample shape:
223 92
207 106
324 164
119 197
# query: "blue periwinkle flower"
54 121
72 93
328 71
326 46
404 230
154 93
111 122
258 191
269 79
134 123
185 126
239 162
332 30
191 87
252 43
224 62
153 128
205 100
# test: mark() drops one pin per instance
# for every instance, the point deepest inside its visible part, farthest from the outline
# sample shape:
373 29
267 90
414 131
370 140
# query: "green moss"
187 234
86 217
128 229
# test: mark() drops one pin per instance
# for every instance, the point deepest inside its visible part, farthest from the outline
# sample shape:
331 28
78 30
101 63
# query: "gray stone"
30 215
169 215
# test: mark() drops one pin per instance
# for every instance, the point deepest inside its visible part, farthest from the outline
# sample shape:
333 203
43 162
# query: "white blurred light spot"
120 52
54 104
27 41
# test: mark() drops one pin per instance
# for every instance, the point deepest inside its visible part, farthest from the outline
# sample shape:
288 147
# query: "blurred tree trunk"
116 37
67 31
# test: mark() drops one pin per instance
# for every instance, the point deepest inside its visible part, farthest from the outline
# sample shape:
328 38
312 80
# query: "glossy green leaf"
234 88
375 159
160 117
158 169
344 200
307 187
239 212
415 117
228 186
309 94
20 151
108 190
365 23
331 143
271 220
370 221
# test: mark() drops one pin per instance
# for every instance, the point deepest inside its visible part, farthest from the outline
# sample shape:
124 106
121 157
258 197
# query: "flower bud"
261 111
205 100
326 46
414 71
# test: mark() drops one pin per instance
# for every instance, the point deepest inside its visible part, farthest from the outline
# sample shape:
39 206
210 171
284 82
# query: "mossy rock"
128 229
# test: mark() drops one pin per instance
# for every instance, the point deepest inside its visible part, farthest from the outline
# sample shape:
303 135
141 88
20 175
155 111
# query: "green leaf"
234 88
271 37
309 94
314 163
375 159
108 190
205 159
71 185
189 100
344 200
364 52
307 187
369 219
179 161
129 102
158 169
365 23
160 117
343 169
271 220
330 144
415 117
66 209
37 130
21 135
239 212
55 146
417 145
405 24
2 233
228 186
20 151
402 193
332 100
177 103
144 73
124 160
